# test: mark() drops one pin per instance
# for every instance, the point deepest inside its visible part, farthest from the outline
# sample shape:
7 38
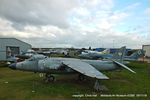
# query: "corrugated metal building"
146 48
11 46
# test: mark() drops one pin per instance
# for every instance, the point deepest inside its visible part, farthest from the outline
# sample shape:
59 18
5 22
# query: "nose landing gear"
50 78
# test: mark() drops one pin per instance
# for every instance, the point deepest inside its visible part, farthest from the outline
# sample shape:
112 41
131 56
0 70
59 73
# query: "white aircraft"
106 51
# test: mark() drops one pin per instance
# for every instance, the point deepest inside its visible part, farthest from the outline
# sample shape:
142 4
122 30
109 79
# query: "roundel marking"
139 52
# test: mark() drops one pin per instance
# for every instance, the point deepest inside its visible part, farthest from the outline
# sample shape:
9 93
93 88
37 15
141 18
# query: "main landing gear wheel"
50 78
81 77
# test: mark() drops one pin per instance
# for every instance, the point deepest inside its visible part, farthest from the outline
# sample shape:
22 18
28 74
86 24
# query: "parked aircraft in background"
29 54
52 51
90 68
11 58
96 55
106 51
65 52
26 55
134 56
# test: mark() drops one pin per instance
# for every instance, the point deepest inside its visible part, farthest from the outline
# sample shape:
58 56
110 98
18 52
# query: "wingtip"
104 77
134 72
107 78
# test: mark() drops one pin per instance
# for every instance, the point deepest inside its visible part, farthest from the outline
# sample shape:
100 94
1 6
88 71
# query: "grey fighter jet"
90 68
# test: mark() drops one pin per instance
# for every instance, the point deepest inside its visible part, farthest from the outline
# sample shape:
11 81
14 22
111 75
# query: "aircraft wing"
85 69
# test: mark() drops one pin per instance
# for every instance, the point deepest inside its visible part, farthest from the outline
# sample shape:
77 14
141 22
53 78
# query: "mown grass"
21 84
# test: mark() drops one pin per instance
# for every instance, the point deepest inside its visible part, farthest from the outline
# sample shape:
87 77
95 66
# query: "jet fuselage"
55 65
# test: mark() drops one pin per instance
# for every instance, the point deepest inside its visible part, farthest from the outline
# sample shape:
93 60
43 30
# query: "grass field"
18 85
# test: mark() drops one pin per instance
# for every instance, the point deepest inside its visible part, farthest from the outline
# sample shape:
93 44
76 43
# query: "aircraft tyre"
81 77
50 78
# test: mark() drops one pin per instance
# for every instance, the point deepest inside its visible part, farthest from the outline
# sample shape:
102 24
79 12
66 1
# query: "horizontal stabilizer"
124 66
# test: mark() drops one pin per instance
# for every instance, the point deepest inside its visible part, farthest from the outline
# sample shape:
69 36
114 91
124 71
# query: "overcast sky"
77 23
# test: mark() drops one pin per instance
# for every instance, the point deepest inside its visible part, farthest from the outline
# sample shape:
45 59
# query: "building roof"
17 40
146 45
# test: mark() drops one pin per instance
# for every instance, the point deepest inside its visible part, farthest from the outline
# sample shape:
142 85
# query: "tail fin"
137 54
119 55
118 59
107 51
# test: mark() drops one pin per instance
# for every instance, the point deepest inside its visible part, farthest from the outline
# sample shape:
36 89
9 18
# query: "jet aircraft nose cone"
12 66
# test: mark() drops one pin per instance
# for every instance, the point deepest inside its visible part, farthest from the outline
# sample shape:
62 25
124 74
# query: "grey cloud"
51 13
37 12
18 26
76 39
